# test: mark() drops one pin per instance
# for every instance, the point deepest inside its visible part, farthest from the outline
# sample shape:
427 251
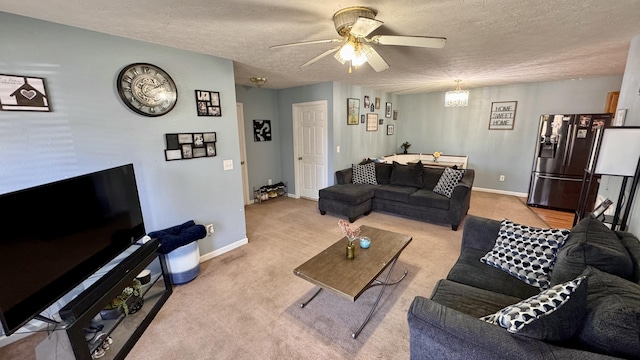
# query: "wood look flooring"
553 218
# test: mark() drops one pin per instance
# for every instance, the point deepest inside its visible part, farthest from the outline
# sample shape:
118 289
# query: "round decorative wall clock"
147 89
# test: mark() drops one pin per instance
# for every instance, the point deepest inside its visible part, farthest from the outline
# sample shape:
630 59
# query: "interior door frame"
296 144
243 155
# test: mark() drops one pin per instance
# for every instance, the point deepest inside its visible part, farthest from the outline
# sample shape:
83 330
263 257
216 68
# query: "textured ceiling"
489 42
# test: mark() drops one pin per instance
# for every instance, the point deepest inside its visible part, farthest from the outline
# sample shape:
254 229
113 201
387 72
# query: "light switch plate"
228 164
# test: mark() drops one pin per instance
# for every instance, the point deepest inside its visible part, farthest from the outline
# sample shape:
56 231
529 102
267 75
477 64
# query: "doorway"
247 195
310 148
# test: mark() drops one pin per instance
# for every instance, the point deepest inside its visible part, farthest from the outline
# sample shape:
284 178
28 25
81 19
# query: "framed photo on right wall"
389 129
372 122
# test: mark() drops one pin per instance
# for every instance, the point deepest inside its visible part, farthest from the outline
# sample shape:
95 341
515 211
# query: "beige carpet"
245 303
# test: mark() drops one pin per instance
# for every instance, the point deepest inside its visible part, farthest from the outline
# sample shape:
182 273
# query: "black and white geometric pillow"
515 317
525 252
364 174
448 181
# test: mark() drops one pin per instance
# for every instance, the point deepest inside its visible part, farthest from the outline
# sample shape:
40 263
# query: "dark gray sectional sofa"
447 325
405 190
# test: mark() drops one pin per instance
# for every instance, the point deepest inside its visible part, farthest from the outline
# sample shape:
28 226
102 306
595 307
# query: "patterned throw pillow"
526 252
552 315
364 174
449 179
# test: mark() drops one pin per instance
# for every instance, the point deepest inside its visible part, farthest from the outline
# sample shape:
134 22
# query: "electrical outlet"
227 164
501 177
209 229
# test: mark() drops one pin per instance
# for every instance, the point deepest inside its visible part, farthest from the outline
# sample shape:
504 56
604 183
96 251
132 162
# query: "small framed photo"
261 130
187 151
372 108
172 142
503 115
173 155
208 103
353 111
372 122
211 149
380 121
23 93
387 112
199 152
362 119
209 137
395 114
366 101
389 129
198 140
618 120
377 103
185 138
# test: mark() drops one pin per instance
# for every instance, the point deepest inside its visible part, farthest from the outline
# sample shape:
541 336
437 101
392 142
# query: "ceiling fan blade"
419 41
307 43
376 61
364 26
319 57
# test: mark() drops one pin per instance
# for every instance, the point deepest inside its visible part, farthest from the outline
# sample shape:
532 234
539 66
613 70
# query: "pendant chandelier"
457 97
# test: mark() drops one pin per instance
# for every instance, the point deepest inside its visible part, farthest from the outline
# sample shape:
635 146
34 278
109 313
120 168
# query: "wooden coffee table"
330 269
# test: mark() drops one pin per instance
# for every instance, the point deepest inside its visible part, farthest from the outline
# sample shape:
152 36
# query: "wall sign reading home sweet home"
23 93
503 115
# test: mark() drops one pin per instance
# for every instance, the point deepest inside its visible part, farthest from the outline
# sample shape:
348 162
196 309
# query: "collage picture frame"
208 103
183 146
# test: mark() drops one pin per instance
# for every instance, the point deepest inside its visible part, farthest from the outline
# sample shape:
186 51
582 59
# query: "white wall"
630 100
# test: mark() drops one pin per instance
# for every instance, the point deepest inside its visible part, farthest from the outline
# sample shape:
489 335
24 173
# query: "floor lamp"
619 155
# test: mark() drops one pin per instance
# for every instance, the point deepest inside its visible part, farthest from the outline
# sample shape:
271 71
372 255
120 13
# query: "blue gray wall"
356 143
286 98
90 129
429 126
263 157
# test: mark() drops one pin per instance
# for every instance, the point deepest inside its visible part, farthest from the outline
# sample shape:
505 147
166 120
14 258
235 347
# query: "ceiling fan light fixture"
361 55
347 51
457 97
258 81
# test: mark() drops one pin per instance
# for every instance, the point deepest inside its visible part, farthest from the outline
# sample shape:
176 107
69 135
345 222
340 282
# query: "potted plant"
128 302
405 146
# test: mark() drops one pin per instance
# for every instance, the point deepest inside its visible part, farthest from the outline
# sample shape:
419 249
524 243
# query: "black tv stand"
124 329
46 319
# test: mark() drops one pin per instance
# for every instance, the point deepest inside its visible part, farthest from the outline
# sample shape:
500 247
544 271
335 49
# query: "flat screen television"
54 236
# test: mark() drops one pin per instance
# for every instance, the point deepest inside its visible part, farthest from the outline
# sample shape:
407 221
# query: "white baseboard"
223 250
503 192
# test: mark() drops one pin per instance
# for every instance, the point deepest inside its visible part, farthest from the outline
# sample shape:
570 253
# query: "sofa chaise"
601 322
431 194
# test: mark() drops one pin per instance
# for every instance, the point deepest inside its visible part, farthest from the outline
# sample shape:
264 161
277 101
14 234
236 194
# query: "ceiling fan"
354 24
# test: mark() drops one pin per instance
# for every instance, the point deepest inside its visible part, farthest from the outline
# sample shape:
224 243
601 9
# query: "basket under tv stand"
124 330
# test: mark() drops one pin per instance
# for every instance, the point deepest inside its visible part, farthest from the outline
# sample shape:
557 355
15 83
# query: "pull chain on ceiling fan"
354 24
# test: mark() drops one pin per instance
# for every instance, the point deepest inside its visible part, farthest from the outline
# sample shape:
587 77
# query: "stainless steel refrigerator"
563 145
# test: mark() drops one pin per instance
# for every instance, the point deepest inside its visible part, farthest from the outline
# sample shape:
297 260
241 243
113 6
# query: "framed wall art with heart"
23 93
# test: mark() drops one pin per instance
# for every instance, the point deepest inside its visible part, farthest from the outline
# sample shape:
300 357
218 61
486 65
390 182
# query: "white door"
243 155
310 143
